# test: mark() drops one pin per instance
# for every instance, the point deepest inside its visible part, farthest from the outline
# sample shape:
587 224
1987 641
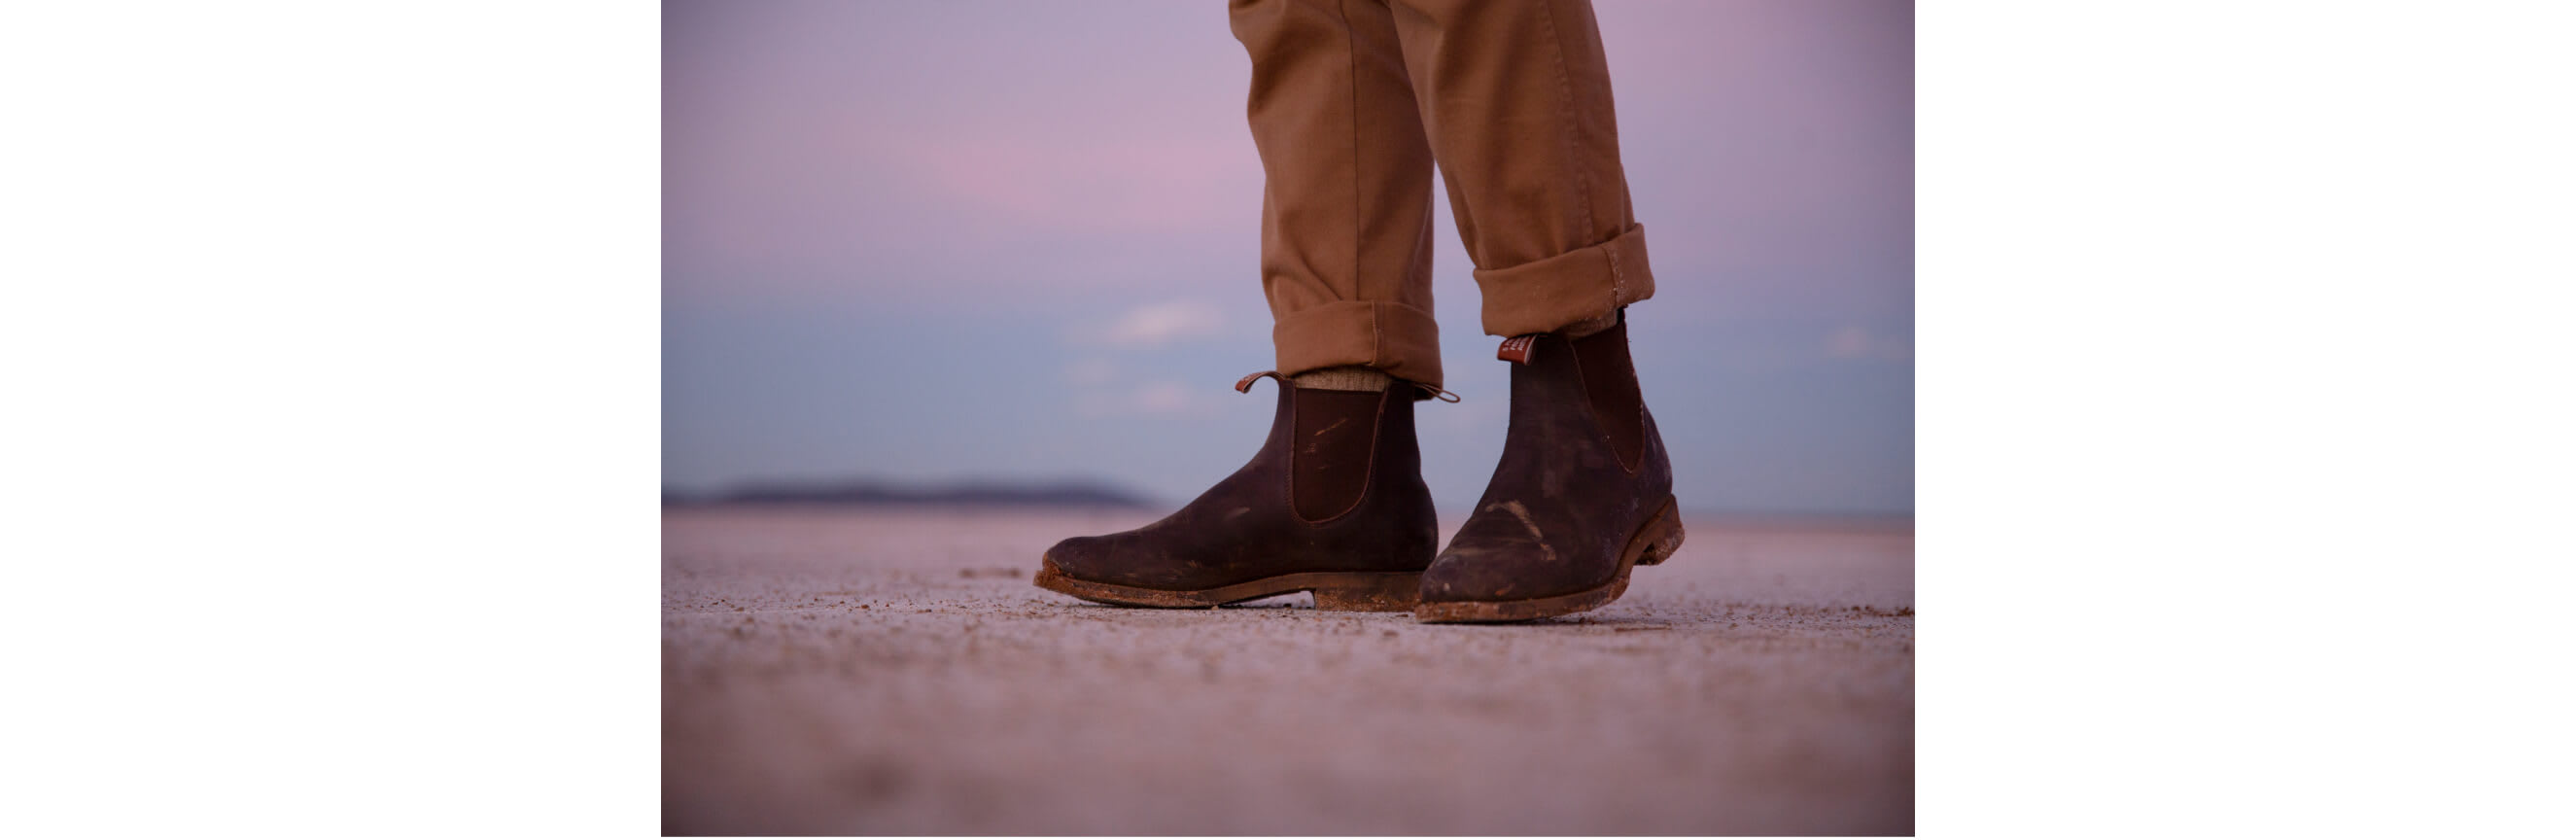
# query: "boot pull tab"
1244 385
1434 392
1517 349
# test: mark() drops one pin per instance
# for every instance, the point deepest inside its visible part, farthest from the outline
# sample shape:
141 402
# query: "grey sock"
1347 378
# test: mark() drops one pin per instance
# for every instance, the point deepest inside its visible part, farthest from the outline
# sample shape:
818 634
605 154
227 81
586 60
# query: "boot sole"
1334 591
1653 543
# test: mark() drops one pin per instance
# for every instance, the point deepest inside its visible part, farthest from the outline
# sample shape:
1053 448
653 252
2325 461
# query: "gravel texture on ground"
891 671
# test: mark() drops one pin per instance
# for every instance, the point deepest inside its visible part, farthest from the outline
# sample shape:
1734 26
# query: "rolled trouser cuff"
1392 337
1569 288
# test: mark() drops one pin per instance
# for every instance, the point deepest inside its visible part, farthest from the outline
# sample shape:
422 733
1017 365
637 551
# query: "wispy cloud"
1163 398
1855 342
1164 323
1848 343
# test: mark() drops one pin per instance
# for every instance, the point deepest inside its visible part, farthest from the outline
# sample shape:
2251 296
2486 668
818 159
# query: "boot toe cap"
1081 557
1508 570
1472 574
1122 559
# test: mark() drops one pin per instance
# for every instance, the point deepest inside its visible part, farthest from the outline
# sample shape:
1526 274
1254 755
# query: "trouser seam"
1618 277
1377 335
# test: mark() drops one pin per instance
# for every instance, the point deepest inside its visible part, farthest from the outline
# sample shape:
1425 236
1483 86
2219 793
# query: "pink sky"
1037 177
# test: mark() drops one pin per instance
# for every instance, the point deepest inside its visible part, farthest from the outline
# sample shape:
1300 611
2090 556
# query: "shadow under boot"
1333 504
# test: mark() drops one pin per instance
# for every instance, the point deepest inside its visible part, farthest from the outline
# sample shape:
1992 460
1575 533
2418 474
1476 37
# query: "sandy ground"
875 672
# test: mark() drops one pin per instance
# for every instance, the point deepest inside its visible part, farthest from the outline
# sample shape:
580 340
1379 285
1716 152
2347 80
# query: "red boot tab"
1244 385
1517 349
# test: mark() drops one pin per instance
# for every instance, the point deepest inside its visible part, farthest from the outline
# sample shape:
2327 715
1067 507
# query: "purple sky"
1002 240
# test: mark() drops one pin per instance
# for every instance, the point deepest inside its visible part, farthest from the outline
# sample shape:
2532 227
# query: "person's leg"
1346 207
1516 99
1334 502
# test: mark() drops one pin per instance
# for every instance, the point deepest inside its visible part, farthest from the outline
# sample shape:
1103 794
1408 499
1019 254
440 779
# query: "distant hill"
882 493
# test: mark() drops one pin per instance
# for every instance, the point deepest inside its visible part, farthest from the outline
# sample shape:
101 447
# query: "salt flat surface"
894 672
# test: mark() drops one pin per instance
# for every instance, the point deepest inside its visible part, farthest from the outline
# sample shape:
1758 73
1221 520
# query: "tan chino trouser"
1351 102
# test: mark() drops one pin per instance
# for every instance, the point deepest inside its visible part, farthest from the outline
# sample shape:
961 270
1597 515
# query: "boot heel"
1391 592
1662 535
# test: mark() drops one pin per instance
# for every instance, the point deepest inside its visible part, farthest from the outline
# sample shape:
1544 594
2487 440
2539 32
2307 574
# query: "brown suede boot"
1583 493
1333 504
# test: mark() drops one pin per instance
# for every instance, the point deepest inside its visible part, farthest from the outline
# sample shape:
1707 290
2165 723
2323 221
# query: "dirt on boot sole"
1334 591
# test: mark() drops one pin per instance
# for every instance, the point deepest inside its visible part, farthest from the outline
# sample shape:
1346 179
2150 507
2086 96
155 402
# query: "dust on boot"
1333 504
1583 494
